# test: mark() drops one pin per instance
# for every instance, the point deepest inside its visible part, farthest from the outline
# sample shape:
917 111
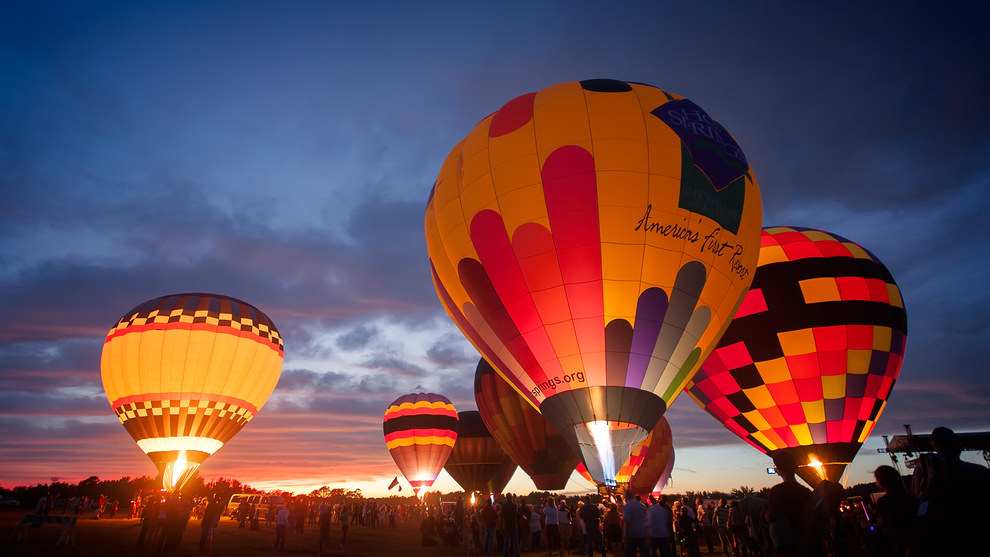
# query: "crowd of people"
938 512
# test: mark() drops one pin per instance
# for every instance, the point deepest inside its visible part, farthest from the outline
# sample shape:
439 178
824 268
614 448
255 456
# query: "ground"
118 538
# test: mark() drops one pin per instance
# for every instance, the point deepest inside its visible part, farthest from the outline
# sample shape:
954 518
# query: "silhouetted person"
785 504
895 512
510 526
952 512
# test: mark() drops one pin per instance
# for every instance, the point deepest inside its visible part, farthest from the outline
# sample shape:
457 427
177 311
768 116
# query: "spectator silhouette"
951 512
785 504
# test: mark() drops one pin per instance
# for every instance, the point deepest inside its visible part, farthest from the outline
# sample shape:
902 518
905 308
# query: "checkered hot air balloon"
420 431
184 373
810 358
592 240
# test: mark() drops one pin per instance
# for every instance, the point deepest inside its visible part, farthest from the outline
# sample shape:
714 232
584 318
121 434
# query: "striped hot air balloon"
186 372
812 354
420 431
593 240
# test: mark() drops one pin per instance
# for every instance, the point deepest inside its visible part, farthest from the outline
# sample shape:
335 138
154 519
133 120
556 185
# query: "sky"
282 153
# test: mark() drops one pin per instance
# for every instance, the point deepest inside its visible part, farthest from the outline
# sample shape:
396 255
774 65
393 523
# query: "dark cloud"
357 338
449 352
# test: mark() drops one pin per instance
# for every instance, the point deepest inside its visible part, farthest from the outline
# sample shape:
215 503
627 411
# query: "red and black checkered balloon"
809 360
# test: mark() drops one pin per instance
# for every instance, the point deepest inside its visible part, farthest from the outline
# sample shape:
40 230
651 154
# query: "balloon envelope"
477 462
186 372
592 240
810 358
649 461
420 430
525 435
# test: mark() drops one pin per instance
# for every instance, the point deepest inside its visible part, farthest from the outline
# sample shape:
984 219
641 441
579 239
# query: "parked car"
259 500
9 502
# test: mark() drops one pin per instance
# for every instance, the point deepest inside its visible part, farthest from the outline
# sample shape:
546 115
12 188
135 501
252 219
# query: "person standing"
785 504
634 525
705 526
660 526
211 517
564 520
345 521
326 519
489 519
687 523
551 517
281 527
591 517
510 526
721 523
535 526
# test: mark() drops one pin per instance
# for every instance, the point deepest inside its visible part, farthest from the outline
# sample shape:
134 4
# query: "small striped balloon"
420 431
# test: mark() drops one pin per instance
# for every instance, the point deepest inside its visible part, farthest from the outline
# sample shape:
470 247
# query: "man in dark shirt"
785 504
510 527
592 515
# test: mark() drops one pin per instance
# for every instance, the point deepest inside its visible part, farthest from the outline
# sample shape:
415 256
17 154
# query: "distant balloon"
186 372
592 240
420 431
477 462
525 435
810 358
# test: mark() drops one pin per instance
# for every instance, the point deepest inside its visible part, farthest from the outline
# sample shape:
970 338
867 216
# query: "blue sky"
282 153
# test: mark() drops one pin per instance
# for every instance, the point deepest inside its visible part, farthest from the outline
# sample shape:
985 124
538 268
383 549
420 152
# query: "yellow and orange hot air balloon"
811 356
420 431
592 240
186 372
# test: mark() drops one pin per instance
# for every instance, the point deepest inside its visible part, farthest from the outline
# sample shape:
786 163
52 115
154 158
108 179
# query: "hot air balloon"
647 462
186 372
811 356
420 431
522 432
477 462
664 478
592 240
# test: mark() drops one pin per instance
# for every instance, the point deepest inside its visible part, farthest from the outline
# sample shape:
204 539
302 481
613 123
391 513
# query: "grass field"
118 538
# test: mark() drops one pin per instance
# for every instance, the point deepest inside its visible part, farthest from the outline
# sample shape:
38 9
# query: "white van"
260 501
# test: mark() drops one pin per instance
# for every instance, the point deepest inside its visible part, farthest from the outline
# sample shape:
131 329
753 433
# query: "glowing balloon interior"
186 372
592 240
646 465
420 430
809 361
